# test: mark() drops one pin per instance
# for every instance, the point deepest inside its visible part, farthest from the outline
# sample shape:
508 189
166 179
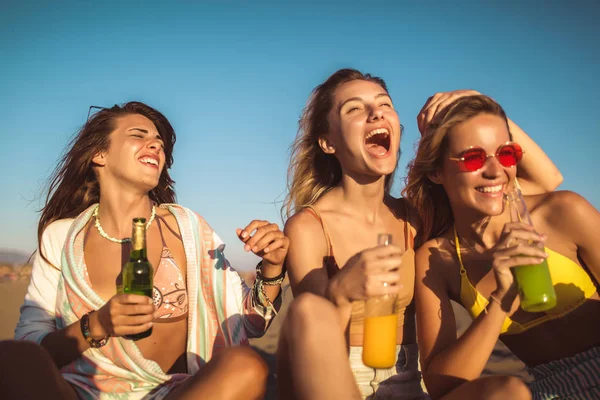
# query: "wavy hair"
73 186
428 198
311 172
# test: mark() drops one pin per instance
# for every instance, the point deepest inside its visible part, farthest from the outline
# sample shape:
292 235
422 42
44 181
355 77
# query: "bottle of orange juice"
381 326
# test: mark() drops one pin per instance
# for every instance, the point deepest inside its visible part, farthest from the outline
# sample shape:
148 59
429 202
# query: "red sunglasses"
473 159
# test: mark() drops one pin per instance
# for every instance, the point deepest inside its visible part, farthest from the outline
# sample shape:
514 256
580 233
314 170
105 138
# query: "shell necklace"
115 240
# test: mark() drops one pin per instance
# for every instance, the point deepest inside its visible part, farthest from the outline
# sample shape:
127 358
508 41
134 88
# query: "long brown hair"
430 199
73 185
311 172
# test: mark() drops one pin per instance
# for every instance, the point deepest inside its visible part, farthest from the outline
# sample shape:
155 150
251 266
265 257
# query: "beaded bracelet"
85 330
275 281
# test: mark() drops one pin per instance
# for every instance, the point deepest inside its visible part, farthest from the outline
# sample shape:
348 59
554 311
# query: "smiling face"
135 155
478 191
364 130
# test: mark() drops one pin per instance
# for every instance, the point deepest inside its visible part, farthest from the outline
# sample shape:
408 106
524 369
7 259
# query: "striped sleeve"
256 309
38 311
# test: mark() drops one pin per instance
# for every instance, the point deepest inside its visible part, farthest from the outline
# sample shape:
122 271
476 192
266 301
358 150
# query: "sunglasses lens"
510 155
473 159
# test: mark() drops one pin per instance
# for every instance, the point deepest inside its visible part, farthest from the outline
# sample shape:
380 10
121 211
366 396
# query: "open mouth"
149 161
378 142
490 189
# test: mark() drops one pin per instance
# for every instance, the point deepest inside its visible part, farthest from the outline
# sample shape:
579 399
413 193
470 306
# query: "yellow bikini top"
571 283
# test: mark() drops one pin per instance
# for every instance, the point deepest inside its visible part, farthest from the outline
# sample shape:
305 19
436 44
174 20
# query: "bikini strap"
463 271
409 240
162 238
315 214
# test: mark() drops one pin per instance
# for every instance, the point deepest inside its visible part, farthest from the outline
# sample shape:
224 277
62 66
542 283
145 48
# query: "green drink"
536 290
533 282
138 273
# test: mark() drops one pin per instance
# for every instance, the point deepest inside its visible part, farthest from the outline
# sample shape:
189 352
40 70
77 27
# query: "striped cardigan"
223 311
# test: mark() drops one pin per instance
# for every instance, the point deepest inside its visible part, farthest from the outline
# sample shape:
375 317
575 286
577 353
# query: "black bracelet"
84 323
260 276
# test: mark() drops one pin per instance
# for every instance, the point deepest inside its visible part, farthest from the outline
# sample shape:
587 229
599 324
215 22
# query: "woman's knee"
21 352
310 310
507 387
244 363
516 387
497 387
23 361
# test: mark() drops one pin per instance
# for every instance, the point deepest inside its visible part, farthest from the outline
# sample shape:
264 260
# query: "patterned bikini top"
170 292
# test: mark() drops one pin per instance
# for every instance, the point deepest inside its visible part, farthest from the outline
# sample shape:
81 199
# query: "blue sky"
233 77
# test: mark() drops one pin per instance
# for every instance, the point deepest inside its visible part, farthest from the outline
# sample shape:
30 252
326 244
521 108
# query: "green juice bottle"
138 273
534 282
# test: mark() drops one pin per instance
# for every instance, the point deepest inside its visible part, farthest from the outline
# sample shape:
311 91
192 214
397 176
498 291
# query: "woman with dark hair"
117 169
339 180
466 164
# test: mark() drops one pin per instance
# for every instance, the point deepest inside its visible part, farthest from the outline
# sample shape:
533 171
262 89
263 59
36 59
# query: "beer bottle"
138 273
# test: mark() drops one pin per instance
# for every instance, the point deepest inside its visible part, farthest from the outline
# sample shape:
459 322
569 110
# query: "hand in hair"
437 103
372 272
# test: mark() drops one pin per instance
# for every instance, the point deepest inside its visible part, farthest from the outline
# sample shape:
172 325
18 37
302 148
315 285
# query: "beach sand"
11 298
501 361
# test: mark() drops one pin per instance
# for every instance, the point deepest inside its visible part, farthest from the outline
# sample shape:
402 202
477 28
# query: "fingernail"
246 247
266 250
255 249
149 324
244 234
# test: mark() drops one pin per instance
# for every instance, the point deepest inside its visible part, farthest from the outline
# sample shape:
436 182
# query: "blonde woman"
339 200
466 161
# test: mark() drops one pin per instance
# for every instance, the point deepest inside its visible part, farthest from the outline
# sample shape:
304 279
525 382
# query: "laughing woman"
466 161
343 160
117 168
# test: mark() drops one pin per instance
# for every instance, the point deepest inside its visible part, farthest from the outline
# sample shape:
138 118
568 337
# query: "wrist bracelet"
85 330
494 299
275 281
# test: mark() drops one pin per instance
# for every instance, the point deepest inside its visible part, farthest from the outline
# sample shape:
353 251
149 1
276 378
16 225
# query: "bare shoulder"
441 247
304 227
404 211
437 255
560 205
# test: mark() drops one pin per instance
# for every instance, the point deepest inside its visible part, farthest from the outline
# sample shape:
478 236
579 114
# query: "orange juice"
379 343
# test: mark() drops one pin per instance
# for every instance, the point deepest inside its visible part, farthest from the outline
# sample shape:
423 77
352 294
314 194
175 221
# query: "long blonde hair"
430 199
311 172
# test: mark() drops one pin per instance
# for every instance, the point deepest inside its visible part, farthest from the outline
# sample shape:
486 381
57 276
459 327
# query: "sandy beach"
11 298
501 361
